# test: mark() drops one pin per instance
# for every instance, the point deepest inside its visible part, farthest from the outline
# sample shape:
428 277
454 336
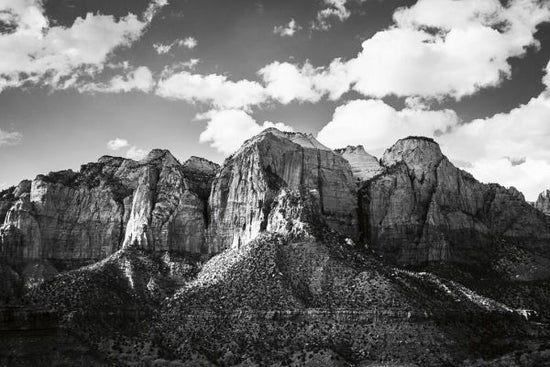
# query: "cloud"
287 82
189 42
287 30
226 130
162 49
376 125
8 138
435 49
335 9
212 89
508 148
117 144
39 52
139 79
133 152
136 153
443 48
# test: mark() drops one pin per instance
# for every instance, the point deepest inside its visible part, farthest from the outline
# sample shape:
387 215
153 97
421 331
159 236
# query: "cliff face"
363 165
425 209
112 203
543 202
413 207
246 190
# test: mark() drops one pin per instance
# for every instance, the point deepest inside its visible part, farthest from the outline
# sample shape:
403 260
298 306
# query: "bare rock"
363 165
543 202
423 209
244 192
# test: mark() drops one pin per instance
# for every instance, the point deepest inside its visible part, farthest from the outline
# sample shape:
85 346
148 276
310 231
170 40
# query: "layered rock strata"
157 204
424 209
245 192
363 165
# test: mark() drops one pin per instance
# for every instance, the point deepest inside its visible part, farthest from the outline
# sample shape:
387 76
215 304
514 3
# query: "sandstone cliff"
424 209
156 204
543 202
246 190
363 165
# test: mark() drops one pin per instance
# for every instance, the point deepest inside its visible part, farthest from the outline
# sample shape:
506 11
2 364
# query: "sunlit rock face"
423 209
244 193
166 214
363 165
114 202
543 202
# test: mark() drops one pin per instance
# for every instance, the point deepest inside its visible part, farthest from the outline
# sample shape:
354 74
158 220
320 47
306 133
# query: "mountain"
288 254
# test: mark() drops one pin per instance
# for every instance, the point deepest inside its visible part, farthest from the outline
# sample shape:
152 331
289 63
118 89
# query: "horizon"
197 82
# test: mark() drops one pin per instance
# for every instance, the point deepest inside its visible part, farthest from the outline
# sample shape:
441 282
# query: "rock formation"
245 191
543 202
115 202
423 209
363 165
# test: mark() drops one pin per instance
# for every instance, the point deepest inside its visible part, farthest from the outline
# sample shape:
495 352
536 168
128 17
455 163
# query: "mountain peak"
414 151
304 140
363 165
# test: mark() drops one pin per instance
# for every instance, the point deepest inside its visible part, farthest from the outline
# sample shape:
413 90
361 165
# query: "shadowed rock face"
424 209
112 203
244 193
543 202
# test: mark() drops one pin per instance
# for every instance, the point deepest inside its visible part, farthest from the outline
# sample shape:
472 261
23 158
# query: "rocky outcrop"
245 191
543 202
363 165
423 209
156 204
166 215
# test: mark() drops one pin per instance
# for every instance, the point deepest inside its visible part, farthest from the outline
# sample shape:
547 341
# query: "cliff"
543 202
423 209
156 204
245 192
363 165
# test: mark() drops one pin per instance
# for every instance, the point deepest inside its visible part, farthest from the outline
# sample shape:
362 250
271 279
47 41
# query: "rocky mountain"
543 202
288 254
423 209
363 165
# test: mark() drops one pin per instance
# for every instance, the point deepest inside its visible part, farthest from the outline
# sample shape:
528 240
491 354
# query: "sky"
84 78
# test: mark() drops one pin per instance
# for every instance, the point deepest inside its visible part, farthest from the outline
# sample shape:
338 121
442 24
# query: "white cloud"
376 125
446 48
336 9
287 30
226 130
162 49
287 82
189 42
213 89
508 148
139 79
117 144
10 138
496 146
136 153
435 49
40 52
